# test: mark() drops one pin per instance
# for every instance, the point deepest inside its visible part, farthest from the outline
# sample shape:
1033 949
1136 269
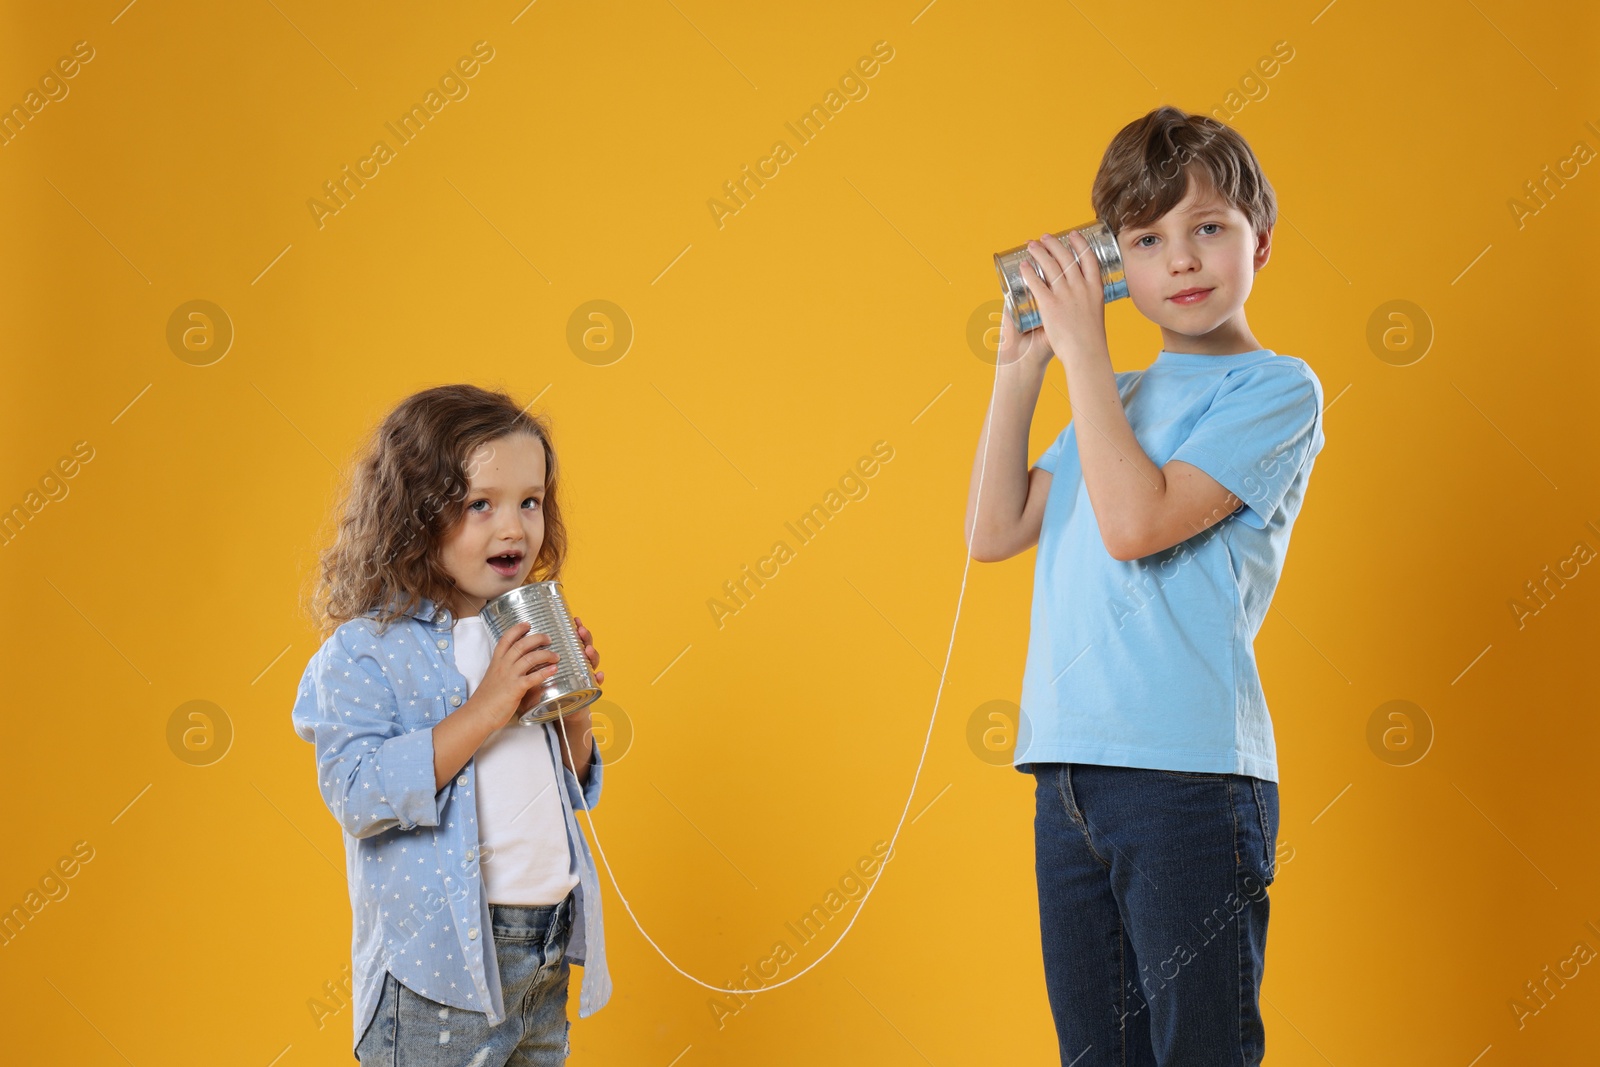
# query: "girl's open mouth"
506 566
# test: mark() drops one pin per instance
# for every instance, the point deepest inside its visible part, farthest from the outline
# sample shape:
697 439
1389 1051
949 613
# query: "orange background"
832 311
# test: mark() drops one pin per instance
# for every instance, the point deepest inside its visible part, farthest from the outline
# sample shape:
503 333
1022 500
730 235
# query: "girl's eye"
474 505
536 501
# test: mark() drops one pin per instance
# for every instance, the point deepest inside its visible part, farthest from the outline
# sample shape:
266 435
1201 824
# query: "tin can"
1019 301
544 609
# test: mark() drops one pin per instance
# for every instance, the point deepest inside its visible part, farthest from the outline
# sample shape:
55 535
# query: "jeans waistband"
545 921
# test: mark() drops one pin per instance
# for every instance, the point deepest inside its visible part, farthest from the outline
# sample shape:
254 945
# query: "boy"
1162 524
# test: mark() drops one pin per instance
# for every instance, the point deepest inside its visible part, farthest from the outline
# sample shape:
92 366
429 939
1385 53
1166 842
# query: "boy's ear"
1263 248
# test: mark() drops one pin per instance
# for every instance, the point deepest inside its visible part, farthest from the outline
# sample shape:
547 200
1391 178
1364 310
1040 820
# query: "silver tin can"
544 609
1019 301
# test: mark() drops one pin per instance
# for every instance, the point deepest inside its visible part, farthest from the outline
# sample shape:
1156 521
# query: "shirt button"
455 701
469 855
461 780
442 643
472 934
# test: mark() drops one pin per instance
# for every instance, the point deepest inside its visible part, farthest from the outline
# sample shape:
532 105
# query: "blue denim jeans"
410 1030
1153 912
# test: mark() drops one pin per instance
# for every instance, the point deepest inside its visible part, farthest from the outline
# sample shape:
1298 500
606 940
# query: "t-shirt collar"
1196 359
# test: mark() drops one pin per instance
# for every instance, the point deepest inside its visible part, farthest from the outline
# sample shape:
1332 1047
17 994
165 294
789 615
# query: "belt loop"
556 916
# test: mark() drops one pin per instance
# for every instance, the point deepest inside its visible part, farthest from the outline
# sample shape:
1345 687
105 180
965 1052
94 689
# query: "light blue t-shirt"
1150 662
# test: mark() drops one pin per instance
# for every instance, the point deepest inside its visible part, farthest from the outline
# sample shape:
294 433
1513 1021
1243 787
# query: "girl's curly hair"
406 491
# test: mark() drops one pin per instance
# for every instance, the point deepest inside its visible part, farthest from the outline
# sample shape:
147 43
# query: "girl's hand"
1070 295
589 652
521 662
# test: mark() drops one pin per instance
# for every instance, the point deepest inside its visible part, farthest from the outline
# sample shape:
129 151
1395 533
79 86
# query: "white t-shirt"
521 829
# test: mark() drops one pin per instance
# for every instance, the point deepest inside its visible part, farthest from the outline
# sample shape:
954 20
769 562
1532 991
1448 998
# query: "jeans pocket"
1266 798
378 1041
1192 774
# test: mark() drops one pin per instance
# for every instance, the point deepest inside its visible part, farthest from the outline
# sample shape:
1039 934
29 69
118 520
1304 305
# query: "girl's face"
1203 243
491 549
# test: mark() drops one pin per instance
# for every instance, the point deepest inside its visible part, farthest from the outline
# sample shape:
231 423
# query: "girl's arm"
373 776
459 736
517 664
578 728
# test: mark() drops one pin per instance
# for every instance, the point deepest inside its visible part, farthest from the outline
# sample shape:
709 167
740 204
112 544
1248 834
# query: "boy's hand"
1070 296
1031 349
521 662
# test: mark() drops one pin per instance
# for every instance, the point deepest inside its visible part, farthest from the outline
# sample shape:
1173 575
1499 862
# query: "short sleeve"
1047 460
1262 427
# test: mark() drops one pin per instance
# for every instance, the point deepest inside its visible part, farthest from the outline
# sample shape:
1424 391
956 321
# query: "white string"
872 887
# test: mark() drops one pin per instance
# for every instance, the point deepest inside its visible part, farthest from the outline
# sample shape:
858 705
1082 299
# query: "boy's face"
1203 243
504 514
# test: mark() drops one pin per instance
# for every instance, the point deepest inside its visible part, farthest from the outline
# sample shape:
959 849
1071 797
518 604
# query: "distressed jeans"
410 1030
1153 912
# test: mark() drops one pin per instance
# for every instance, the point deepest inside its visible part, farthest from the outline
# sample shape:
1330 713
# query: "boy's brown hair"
1145 171
407 490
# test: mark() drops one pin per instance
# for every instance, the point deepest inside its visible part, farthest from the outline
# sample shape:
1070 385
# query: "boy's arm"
1141 508
1013 496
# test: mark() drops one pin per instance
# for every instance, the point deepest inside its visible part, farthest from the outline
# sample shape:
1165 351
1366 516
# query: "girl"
458 818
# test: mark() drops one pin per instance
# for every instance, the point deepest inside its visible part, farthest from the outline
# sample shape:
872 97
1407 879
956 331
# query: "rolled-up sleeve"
373 775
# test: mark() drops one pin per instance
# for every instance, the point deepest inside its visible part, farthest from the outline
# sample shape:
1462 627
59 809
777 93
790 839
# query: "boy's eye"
1140 242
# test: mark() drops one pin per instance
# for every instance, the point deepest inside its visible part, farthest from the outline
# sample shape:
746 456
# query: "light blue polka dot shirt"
368 702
